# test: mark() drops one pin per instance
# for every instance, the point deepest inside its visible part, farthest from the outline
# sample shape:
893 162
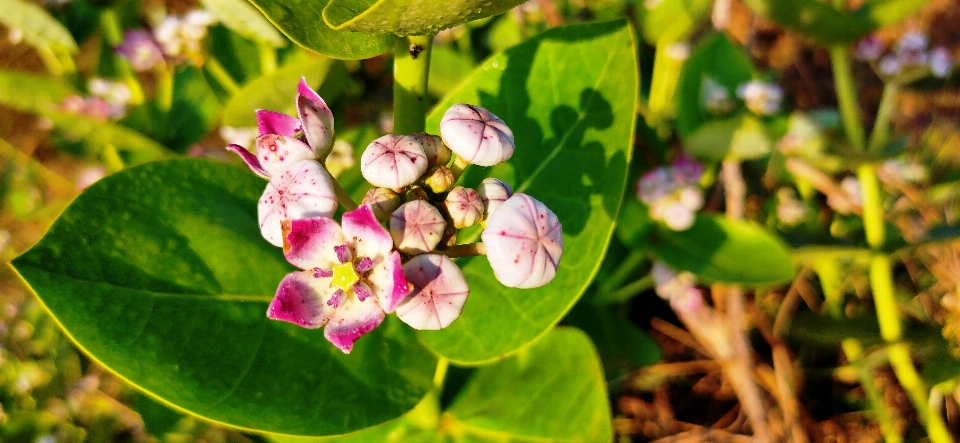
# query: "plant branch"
411 72
847 96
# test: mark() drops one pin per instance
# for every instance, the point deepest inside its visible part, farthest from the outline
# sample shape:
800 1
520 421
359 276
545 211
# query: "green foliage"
302 22
716 58
243 18
723 250
574 137
672 20
742 137
160 274
39 29
32 93
409 17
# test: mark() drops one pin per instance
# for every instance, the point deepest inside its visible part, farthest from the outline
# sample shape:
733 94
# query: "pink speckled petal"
317 120
276 152
299 300
524 242
388 282
416 227
365 235
301 190
250 159
439 292
393 162
272 122
476 135
310 242
351 320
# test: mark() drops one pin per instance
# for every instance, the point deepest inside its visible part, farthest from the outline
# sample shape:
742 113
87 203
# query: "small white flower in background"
116 94
762 98
890 66
941 62
238 136
912 48
672 193
715 98
340 158
790 210
140 49
181 36
680 289
904 170
869 48
678 51
651 4
89 175
803 137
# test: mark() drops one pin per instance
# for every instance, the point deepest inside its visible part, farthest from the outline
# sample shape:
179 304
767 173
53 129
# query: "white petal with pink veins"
276 152
493 192
351 320
393 162
301 190
439 292
365 235
309 242
524 242
476 135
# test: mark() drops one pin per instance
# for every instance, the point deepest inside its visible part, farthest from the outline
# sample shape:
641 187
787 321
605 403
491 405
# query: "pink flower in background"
140 49
673 193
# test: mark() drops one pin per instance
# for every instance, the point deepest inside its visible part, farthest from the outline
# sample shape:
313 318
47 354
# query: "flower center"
345 276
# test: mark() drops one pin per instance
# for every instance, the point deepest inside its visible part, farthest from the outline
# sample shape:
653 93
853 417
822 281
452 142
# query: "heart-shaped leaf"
409 17
574 138
551 391
160 274
246 20
723 250
302 22
277 91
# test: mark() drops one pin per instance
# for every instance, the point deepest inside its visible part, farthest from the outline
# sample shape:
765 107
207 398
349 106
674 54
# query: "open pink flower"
314 125
301 190
351 276
524 242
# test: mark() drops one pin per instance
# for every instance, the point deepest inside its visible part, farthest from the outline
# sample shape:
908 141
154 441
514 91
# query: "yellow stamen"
345 276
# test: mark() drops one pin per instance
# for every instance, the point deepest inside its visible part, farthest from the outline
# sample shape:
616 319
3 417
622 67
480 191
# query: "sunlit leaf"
246 20
409 17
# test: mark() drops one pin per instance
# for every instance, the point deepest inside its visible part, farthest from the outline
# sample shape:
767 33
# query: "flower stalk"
847 96
411 70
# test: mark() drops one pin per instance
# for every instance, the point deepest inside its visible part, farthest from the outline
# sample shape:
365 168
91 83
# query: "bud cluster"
394 252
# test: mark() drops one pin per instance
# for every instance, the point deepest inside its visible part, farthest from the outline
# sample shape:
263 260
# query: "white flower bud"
493 192
464 207
438 154
524 242
382 201
393 162
416 227
476 135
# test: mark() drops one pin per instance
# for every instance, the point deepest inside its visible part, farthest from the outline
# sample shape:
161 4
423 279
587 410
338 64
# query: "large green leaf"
723 250
38 27
277 91
409 17
720 60
246 20
552 390
160 274
569 97
671 20
302 21
821 22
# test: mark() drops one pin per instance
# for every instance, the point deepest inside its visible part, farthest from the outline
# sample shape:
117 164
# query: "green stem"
164 97
268 57
847 96
626 292
465 250
854 351
411 71
663 86
220 74
458 166
343 196
623 271
113 35
873 222
881 126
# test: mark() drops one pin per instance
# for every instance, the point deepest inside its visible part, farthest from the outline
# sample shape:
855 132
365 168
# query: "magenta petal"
365 234
272 122
352 320
310 242
389 283
298 302
250 159
305 90
439 294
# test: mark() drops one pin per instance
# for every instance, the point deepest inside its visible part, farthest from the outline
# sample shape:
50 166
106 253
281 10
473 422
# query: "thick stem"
411 71
881 126
847 96
458 166
465 250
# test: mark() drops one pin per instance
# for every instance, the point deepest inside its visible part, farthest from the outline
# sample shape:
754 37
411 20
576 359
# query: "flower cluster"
174 37
680 289
107 100
762 98
672 193
392 253
909 59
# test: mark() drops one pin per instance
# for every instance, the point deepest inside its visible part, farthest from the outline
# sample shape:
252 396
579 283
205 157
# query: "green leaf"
672 20
409 17
277 91
160 274
98 134
551 391
743 137
40 30
246 20
722 250
634 223
821 22
448 67
569 96
622 346
717 58
302 22
32 93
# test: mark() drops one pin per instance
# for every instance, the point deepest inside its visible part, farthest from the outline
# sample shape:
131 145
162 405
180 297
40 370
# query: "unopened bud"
415 193
493 192
438 154
382 201
464 207
416 227
439 179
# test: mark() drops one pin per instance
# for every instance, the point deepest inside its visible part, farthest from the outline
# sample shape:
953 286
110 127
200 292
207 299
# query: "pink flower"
524 242
672 193
300 190
140 49
351 277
